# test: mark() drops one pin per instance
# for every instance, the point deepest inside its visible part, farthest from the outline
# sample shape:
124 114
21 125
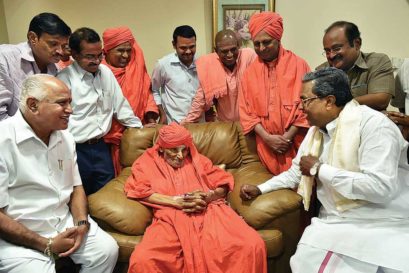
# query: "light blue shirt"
174 85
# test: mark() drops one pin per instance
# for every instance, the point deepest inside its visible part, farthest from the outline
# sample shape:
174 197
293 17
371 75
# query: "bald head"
227 48
226 34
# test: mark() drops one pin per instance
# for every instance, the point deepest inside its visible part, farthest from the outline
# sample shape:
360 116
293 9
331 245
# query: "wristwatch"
83 222
314 168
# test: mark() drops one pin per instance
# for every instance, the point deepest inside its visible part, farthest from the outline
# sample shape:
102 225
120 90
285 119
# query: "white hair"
34 86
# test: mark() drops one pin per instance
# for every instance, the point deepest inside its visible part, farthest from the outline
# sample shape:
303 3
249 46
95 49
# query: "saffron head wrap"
270 22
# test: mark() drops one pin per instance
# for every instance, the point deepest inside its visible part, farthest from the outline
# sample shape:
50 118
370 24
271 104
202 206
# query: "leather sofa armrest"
111 207
267 207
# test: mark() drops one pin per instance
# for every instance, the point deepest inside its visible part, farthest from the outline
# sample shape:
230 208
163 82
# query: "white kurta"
377 232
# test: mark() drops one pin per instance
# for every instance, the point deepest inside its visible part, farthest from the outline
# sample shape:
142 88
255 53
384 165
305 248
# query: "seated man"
370 74
358 159
193 229
47 37
270 95
43 207
125 58
219 76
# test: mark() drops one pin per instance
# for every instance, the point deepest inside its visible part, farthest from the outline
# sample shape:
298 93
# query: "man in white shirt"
96 98
43 207
46 38
358 158
174 78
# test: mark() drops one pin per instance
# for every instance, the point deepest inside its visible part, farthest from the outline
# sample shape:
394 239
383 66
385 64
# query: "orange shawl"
211 73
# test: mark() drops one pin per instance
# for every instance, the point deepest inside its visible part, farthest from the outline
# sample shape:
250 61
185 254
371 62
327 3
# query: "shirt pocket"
107 101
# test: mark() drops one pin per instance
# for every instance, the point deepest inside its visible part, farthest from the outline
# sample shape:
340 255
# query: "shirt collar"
24 132
175 59
81 73
331 126
27 52
360 62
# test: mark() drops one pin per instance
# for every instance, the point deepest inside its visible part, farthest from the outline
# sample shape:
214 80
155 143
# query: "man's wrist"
84 222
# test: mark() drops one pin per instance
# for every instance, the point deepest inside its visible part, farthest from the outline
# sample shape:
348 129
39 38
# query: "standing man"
96 98
219 76
370 74
174 78
47 37
125 59
43 207
357 158
270 95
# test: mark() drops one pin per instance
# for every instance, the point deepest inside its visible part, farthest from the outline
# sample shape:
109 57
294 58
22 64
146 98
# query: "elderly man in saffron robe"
193 230
125 58
270 93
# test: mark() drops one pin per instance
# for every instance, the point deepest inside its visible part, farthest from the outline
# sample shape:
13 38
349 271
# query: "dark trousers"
95 165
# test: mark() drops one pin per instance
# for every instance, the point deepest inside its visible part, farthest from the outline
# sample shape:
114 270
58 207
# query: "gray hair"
330 81
34 86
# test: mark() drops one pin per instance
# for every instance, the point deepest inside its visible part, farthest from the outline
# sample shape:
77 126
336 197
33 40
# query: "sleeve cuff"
265 187
326 173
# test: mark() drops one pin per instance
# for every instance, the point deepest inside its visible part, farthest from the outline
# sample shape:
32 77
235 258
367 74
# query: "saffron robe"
270 95
214 241
135 84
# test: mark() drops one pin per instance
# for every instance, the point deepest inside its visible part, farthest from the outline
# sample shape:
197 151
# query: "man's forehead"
306 89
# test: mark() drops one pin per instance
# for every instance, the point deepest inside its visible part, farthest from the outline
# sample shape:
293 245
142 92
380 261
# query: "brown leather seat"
274 215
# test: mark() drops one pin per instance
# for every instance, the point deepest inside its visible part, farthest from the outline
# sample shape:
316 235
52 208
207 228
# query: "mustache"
336 57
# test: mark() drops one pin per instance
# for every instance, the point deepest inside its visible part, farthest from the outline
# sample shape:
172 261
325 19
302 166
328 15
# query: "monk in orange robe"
193 229
219 75
269 96
125 58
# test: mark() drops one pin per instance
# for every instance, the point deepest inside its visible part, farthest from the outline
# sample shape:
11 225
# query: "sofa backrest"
222 142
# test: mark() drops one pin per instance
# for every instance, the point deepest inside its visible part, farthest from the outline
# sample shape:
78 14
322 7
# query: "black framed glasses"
306 101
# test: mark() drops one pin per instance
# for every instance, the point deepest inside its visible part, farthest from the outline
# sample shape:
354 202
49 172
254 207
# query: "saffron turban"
113 37
174 135
270 22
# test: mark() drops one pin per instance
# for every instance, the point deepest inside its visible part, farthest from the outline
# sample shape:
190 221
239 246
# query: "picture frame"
236 14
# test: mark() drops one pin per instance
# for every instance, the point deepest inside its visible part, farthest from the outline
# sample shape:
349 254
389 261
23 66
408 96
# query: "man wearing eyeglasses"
46 38
96 98
357 158
370 74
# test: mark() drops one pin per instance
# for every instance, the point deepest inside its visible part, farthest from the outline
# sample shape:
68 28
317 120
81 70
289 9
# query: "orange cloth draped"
212 74
276 112
216 241
135 84
268 21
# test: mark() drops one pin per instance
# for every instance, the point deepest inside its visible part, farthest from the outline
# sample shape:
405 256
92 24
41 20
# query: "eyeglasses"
334 50
92 57
305 102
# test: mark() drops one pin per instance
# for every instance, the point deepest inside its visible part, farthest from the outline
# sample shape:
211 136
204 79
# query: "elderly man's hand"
248 192
193 202
306 163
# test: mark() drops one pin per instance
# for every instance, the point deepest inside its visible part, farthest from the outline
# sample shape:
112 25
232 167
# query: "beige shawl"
343 154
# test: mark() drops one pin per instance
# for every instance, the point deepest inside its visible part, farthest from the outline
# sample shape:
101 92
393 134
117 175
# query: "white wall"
384 25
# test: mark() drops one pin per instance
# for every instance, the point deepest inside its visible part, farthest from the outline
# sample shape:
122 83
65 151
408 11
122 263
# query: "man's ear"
174 44
331 100
357 43
32 37
32 104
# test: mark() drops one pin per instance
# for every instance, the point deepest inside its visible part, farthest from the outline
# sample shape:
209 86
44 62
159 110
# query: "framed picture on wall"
236 14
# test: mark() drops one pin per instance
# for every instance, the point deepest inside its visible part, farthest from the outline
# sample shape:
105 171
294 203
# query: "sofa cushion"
110 207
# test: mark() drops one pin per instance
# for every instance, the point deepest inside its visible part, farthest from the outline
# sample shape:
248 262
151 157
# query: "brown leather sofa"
274 215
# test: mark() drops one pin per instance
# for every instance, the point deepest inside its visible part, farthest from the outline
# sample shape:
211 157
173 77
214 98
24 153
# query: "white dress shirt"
36 182
95 100
173 86
377 232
